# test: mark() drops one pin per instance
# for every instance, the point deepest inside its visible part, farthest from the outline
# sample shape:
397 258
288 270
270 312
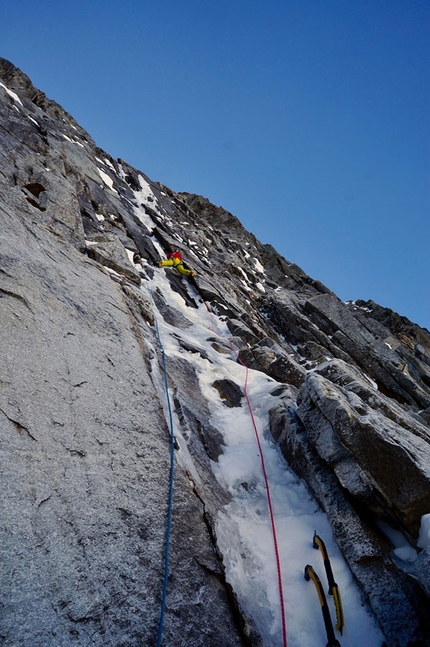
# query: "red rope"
266 482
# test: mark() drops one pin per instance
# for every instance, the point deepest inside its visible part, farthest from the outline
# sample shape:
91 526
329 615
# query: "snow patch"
424 536
107 180
258 266
13 95
401 547
146 191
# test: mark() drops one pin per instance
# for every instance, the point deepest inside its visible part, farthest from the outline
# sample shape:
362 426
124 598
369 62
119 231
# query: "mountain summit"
170 444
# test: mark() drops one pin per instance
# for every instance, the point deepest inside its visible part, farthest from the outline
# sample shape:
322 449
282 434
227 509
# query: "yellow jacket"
177 264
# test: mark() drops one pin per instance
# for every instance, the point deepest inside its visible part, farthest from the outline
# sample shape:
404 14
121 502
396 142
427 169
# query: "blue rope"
169 513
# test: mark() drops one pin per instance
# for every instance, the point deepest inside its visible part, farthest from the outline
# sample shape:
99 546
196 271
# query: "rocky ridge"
79 342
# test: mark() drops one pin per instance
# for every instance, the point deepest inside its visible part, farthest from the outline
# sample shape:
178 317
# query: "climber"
174 259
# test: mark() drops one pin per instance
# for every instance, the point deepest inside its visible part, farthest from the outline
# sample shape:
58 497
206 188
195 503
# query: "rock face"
85 442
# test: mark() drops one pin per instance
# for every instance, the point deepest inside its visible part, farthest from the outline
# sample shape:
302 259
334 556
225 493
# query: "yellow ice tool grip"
333 588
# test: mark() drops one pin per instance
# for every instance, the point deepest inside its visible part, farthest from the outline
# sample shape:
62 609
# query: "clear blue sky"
307 119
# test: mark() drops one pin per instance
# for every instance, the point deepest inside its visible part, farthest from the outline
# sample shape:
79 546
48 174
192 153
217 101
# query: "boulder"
380 461
240 329
230 393
274 362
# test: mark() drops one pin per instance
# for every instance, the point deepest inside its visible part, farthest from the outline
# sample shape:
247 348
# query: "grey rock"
110 252
422 569
258 357
170 315
230 393
394 458
239 329
274 362
285 369
369 351
425 415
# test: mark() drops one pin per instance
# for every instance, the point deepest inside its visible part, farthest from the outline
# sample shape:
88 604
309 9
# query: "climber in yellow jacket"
174 259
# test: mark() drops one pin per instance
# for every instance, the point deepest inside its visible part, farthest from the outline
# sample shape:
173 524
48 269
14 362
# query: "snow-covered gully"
243 528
